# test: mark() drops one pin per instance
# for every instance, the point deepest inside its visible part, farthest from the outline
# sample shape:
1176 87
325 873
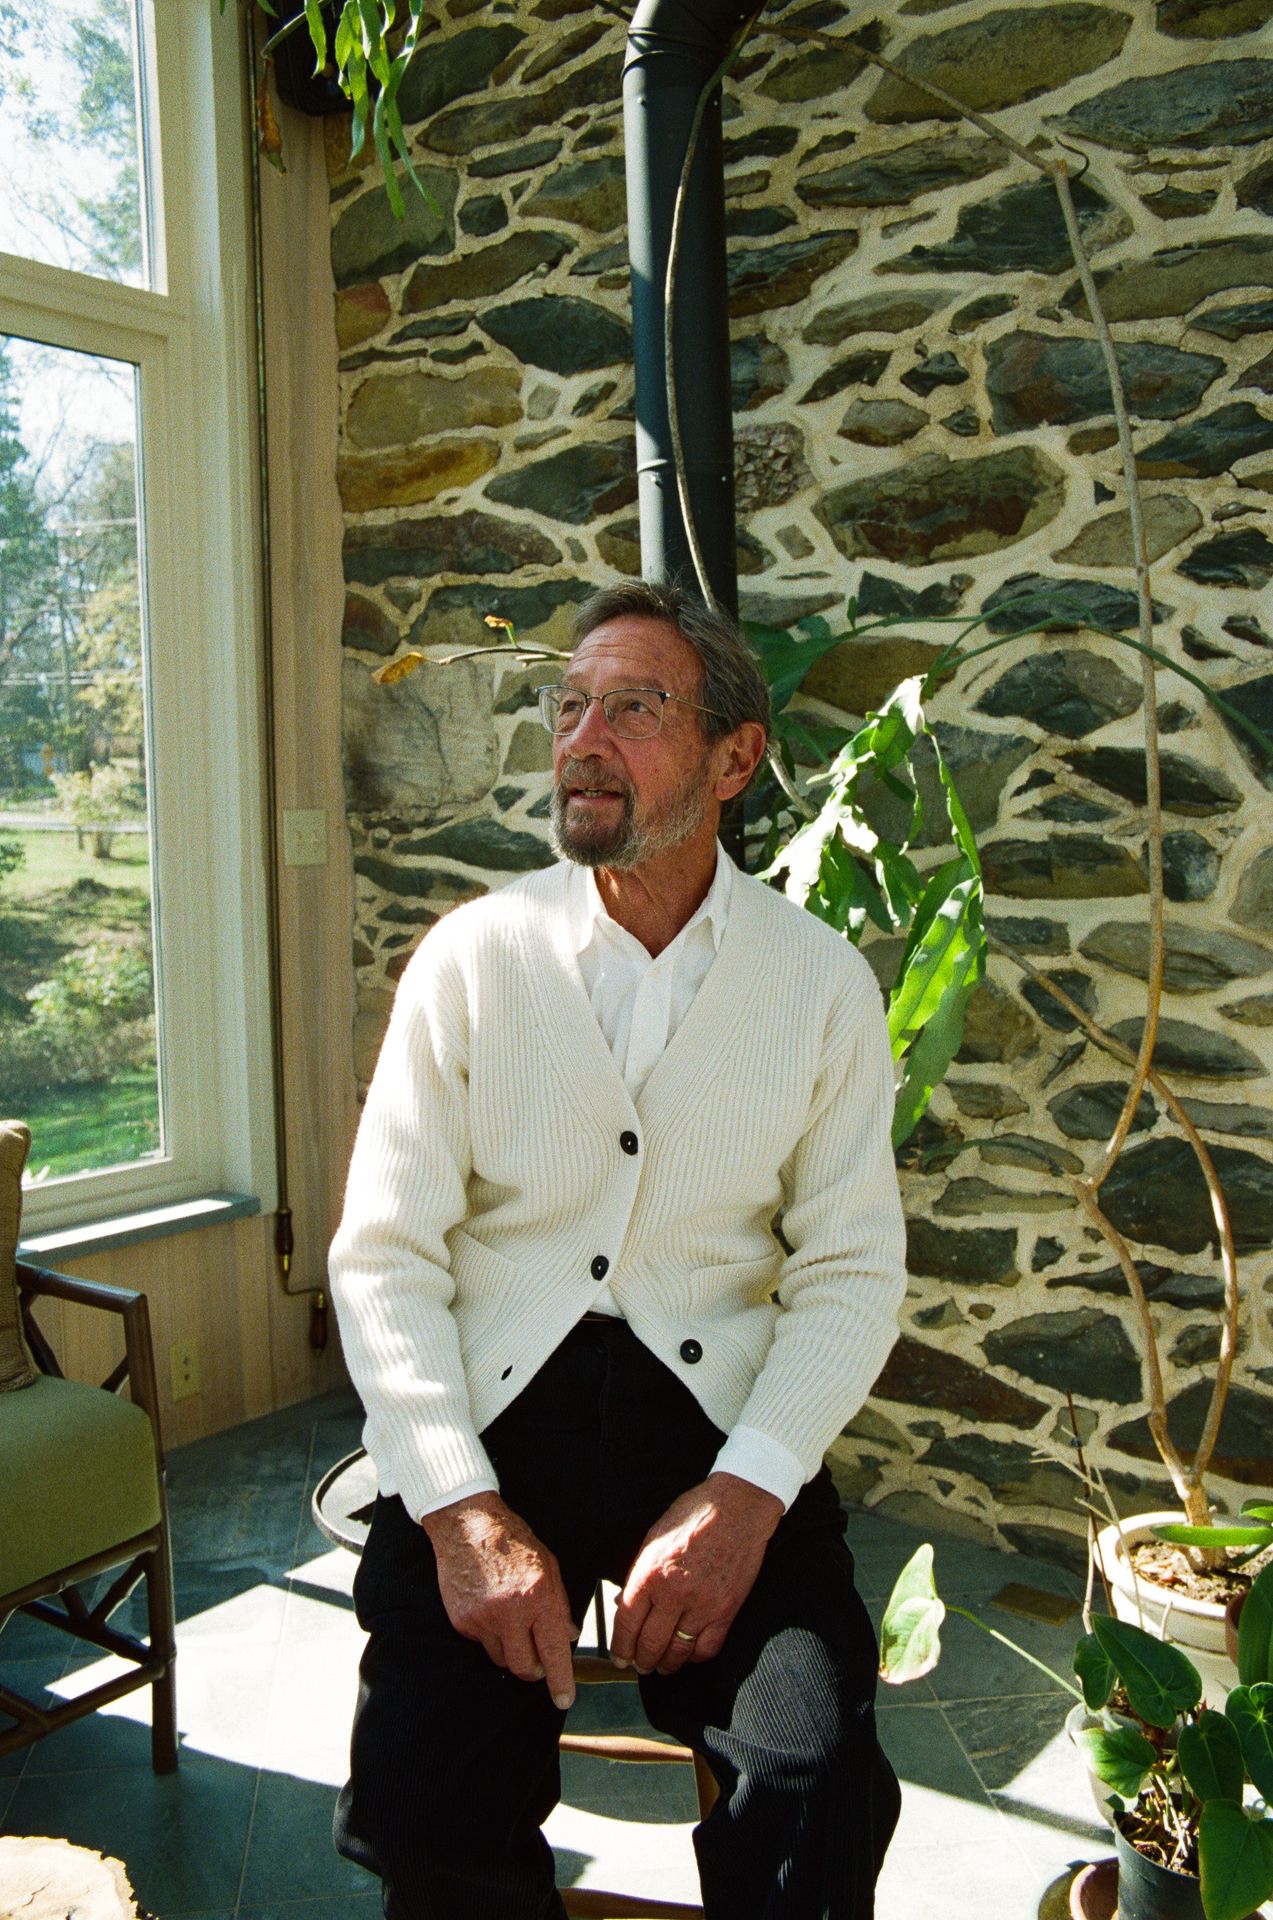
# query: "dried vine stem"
1190 1486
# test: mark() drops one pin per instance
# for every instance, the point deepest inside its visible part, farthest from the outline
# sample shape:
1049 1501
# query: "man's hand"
695 1568
501 1586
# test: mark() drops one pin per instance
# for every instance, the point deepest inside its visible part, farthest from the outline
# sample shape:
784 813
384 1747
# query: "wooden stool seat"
342 1505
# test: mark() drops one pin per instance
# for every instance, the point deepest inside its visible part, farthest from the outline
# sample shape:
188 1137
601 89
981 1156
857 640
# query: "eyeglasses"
633 713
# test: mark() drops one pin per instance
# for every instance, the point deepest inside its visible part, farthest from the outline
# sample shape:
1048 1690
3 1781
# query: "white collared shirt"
641 999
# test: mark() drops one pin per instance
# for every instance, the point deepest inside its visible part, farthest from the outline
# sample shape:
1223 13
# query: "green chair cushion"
78 1473
15 1362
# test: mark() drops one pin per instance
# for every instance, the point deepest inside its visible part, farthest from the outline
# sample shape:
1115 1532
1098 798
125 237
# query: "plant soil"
1168 1566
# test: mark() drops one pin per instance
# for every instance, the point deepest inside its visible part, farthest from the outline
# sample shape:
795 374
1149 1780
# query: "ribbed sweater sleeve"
390 1267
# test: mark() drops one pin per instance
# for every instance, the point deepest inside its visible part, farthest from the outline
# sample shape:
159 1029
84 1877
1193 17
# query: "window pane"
69 132
77 998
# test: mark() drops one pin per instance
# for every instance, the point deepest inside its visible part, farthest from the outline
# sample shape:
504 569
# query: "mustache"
592 774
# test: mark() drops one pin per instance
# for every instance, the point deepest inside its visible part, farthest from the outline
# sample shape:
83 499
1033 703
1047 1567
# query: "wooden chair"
81 1492
342 1505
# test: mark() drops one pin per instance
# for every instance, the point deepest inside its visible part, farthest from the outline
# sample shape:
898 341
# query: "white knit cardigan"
494 1182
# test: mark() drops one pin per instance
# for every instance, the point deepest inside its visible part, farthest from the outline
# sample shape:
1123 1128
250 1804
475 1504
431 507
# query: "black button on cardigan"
691 1352
629 1142
600 1267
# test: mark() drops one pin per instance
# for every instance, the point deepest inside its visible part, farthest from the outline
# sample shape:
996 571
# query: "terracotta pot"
1196 1626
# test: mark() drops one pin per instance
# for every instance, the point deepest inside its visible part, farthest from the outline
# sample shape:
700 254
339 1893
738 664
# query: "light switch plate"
304 837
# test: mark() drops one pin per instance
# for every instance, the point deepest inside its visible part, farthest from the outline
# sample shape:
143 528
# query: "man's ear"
738 756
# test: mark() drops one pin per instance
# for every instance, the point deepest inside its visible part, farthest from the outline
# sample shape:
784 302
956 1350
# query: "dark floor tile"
181 1836
235 1598
346 1906
662 1793
925 1753
975 1666
290 1855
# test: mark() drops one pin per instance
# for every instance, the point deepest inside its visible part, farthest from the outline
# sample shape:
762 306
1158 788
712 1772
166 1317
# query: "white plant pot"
1076 1720
1196 1626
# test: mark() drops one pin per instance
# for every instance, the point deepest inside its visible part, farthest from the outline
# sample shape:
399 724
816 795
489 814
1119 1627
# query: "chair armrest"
138 1365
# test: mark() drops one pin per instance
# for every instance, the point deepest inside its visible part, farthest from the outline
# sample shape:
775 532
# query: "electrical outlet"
183 1367
304 837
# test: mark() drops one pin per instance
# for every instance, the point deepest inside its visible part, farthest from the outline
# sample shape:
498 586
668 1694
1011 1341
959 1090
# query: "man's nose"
592 733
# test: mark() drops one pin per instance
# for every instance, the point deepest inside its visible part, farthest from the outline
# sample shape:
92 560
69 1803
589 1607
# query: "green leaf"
1223 1534
1258 1509
910 1644
787 657
1235 1858
1120 1757
1255 1631
1251 1711
901 880
935 1047
1095 1671
1160 1682
1210 1756
317 32
961 832
939 960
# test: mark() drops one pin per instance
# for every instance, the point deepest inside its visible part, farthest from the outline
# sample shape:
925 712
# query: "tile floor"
994 1805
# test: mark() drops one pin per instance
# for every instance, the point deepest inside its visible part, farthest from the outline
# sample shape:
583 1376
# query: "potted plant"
1189 1786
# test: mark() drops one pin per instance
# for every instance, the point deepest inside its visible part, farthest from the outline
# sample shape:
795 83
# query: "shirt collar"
586 910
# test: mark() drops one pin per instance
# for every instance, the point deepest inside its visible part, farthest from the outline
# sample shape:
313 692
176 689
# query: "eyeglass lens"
630 712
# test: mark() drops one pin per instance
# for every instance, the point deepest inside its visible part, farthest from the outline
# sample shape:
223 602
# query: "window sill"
129 1229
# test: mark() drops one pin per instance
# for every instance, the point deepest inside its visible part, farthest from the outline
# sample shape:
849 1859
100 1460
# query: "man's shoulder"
793 936
494 919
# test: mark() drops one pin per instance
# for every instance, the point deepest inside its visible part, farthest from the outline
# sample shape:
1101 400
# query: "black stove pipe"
674 47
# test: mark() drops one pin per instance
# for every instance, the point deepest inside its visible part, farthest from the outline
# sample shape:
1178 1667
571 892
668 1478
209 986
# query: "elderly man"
582 1350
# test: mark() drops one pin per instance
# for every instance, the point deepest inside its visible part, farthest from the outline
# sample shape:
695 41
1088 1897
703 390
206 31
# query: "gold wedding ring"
684 1636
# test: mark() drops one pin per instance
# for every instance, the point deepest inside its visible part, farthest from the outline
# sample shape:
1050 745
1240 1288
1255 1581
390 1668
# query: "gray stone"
1211 19
1156 1194
945 1315
756 223
1107 541
878 595
1260 375
1013 1472
455 615
448 69
997 1028
1023 1150
401 408
1068 810
1175 279
1075 985
484 216
1254 904
859 674
474 543
1021 230
985 1099
556 52
368 240
1221 103
483 843
964 421
590 478
880 312
1254 701
999 59
936 508
1184 1048
980 764
895 177
988 306
1227 1116
778 276
1071 691
758 369
367 628
856 370
520 112
972 1195
881 423
769 466
529 750
1091 1112
763 143
425 743
1036 380
1072 866
519 160
1243 1452
1196 1346
971 1256
1187 786
1191 867
1255 1011
919 1375
1162 1285
1058 1349
589 193
557 331
1234 323
1195 960
1243 558
1030 936
1175 203
938 370
1255 189
819 72
486 270
1057 604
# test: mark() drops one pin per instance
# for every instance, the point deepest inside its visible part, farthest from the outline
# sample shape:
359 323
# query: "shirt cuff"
456 1493
751 1455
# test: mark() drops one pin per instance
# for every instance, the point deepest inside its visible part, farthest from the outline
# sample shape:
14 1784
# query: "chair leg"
705 1783
160 1613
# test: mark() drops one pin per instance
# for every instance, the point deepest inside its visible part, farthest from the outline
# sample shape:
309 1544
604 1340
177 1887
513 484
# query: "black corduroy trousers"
454 1763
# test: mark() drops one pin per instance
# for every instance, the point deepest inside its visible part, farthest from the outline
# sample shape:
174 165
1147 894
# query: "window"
134 1021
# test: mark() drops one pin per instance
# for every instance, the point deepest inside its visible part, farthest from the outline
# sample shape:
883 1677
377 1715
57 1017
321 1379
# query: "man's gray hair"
732 684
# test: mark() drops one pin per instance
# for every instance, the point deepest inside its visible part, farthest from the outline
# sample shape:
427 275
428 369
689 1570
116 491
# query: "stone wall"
922 422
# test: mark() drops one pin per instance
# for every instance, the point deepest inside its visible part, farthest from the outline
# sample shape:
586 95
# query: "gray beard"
628 842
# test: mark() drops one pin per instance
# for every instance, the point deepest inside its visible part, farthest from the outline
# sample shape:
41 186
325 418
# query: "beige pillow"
15 1362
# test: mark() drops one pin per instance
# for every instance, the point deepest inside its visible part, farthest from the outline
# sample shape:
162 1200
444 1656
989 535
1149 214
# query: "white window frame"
192 337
